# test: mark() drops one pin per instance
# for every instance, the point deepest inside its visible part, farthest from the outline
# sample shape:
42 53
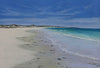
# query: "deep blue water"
82 33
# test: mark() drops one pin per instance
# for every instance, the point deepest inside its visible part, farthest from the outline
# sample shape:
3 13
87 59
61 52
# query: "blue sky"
69 13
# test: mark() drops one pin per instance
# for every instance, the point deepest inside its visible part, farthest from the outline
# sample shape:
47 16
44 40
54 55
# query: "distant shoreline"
23 26
45 26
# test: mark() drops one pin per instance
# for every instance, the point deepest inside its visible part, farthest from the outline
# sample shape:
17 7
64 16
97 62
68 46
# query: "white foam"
81 55
82 38
76 36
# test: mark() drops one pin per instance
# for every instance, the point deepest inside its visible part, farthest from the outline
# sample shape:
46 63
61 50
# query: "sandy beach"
37 48
10 53
27 48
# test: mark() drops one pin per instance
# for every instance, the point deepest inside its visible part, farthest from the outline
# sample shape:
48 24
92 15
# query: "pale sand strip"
10 53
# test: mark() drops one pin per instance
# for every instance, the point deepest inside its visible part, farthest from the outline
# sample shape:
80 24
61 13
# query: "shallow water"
87 34
77 41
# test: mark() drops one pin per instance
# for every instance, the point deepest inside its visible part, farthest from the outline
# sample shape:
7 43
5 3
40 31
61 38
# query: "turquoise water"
88 34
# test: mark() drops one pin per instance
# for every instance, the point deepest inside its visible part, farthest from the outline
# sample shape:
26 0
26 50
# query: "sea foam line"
78 54
72 53
82 38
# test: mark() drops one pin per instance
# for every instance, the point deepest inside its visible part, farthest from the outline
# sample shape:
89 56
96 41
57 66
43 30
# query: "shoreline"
46 57
36 48
28 48
73 59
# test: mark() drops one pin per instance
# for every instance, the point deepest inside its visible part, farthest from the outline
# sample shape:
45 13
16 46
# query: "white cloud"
69 11
62 12
88 6
55 19
65 10
83 20
10 12
78 22
42 11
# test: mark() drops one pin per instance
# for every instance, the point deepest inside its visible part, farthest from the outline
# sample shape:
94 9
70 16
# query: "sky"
67 13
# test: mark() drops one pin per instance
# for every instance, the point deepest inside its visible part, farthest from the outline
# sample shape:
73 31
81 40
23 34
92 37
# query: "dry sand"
27 48
10 53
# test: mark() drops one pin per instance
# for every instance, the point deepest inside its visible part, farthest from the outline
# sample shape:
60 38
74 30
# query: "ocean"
82 33
77 41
